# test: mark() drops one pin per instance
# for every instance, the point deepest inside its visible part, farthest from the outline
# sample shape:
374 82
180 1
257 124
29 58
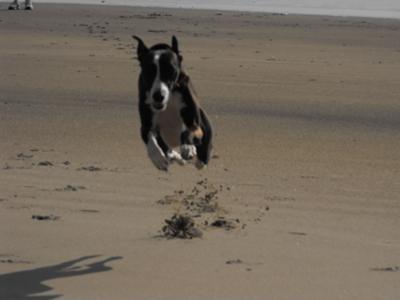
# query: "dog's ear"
175 44
175 47
141 48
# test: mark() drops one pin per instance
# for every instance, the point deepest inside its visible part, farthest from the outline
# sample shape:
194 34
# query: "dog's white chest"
169 122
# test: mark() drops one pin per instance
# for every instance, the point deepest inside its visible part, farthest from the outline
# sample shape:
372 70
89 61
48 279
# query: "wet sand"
306 165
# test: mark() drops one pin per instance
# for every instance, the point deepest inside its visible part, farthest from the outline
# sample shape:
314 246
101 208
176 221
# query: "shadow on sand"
23 285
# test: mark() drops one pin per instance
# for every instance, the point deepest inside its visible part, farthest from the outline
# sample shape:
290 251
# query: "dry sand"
307 158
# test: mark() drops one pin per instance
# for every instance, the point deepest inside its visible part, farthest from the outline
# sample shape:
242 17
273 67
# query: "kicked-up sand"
301 198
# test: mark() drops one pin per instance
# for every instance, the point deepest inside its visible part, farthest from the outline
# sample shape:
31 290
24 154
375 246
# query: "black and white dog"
170 116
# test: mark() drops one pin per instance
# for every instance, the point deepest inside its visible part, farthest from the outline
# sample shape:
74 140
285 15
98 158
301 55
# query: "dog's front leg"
155 153
175 156
150 137
171 154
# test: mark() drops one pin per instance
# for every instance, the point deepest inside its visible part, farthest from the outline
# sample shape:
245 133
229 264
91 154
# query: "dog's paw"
200 165
157 156
175 156
188 152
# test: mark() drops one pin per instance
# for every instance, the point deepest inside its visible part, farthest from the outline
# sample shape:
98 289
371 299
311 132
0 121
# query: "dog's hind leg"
188 150
13 5
204 145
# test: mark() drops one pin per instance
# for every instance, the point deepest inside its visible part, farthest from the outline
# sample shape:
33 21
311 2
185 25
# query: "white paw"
156 154
175 156
188 152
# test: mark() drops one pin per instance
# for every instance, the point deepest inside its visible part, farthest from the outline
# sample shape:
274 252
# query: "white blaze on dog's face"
161 70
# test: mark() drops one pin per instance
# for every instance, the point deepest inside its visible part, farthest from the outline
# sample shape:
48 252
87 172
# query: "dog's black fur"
170 115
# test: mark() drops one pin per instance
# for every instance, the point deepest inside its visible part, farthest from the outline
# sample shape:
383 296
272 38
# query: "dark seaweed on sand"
182 227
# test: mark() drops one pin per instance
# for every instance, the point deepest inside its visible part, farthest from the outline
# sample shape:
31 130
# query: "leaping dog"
171 118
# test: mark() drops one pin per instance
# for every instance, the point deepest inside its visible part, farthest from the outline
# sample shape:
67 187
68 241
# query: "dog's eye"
170 72
150 72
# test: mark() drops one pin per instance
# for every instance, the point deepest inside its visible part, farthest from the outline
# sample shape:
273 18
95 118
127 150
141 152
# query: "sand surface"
306 164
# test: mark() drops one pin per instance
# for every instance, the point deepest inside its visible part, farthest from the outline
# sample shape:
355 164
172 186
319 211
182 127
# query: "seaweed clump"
182 227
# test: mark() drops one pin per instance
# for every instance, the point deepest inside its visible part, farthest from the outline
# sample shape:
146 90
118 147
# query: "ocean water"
365 8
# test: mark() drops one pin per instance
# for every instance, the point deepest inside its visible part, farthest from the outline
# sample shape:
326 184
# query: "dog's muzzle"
160 98
159 102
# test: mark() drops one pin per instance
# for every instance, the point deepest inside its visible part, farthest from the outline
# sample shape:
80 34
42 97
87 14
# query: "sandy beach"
305 174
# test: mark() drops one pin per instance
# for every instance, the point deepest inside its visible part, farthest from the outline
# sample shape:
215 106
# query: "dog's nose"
158 96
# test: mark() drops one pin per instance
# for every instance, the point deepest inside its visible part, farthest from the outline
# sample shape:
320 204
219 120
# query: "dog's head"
160 69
